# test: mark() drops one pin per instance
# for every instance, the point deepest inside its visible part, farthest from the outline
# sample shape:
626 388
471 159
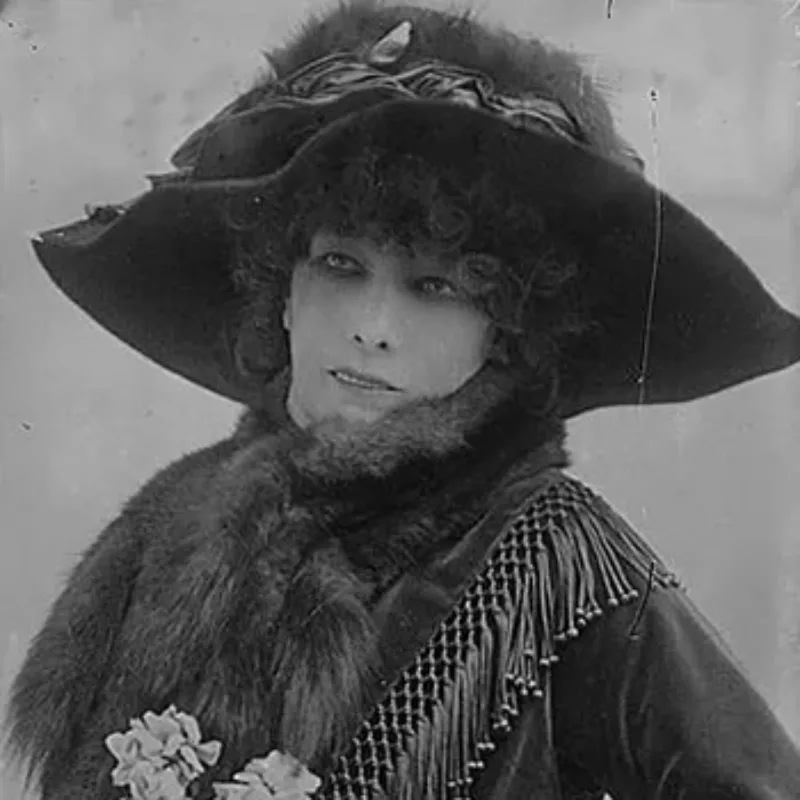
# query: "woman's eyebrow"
430 265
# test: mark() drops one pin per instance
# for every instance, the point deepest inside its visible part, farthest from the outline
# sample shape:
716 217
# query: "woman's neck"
444 459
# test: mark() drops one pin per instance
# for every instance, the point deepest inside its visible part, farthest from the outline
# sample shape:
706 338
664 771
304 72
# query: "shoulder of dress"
583 556
562 558
182 476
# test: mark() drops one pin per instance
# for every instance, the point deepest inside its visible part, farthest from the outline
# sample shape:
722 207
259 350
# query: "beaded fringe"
563 562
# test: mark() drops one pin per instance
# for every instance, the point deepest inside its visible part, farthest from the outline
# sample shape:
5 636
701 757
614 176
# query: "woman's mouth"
360 380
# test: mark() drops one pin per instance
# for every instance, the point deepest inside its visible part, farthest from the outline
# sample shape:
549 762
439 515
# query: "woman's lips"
361 380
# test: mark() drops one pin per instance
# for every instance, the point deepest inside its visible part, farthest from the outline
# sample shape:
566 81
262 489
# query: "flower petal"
151 746
189 726
250 778
139 792
148 783
144 770
265 767
124 746
283 772
121 775
173 744
141 781
230 791
209 752
169 787
189 762
162 726
157 762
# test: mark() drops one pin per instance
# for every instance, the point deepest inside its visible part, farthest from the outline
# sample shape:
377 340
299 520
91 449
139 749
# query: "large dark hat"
675 313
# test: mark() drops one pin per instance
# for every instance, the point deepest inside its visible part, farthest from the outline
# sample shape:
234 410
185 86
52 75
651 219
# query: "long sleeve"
649 703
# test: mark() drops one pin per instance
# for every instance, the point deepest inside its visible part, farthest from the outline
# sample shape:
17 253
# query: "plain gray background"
96 93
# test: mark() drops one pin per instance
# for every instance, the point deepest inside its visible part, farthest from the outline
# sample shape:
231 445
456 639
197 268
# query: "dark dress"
411 620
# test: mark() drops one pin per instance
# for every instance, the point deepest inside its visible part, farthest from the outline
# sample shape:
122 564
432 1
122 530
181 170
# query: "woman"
413 252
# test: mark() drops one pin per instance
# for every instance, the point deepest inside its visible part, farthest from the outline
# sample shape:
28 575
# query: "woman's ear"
287 317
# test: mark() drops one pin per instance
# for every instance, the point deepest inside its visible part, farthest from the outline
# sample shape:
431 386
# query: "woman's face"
372 328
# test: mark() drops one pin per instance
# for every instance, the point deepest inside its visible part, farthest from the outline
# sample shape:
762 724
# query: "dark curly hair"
530 294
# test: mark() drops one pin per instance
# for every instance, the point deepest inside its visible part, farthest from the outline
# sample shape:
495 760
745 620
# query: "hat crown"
395 38
517 66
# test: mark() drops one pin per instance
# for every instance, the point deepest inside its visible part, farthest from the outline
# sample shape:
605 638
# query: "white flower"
161 755
279 776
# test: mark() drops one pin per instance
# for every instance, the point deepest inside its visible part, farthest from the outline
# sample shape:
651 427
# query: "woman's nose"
376 321
377 343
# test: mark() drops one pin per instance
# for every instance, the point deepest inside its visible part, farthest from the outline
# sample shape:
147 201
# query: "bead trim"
563 562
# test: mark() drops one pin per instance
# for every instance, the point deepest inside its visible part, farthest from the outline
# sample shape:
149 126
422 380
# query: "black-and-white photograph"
400 399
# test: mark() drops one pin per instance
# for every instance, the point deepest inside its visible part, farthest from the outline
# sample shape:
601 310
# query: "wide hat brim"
676 314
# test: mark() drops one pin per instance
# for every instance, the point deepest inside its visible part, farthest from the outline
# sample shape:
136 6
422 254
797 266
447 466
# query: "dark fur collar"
433 452
429 429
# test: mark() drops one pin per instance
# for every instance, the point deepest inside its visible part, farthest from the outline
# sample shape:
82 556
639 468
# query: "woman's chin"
360 410
357 416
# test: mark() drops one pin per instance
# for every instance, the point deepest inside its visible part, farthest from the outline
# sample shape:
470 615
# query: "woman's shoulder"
187 476
584 556
564 512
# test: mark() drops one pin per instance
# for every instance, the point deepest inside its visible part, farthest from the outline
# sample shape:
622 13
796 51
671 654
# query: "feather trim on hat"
517 66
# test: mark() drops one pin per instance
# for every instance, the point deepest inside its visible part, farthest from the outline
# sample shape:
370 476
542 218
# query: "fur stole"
250 603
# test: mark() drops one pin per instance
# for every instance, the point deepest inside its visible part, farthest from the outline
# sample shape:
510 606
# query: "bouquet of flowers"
161 755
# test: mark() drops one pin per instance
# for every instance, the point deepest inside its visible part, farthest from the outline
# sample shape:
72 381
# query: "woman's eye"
337 263
434 286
